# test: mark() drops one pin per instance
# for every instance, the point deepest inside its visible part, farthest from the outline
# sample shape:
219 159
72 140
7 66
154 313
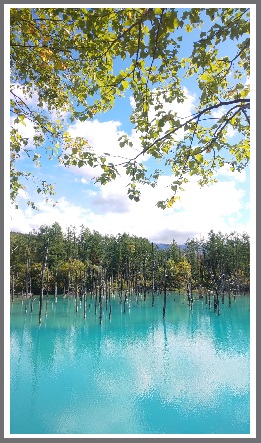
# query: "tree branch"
196 116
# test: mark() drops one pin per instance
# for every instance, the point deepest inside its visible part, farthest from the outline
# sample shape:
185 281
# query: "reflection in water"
136 373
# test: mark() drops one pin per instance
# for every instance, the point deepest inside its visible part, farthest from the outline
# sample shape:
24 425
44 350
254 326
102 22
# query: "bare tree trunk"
27 276
69 281
165 291
13 287
229 294
153 276
55 286
76 292
42 280
144 277
47 292
84 304
106 288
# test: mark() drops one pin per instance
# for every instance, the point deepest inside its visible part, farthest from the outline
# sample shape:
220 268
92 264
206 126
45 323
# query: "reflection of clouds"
187 370
96 417
103 383
20 357
14 345
65 351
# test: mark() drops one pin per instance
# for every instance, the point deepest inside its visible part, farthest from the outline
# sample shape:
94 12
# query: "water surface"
135 373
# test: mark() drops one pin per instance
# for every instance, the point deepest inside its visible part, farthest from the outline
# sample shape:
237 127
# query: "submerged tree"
70 64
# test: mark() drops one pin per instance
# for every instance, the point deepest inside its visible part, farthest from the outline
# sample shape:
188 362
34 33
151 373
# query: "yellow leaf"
58 65
176 22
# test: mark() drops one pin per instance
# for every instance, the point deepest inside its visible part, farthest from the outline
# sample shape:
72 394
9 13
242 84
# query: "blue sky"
224 206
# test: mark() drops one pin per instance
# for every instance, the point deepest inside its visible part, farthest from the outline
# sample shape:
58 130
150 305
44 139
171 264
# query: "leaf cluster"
70 64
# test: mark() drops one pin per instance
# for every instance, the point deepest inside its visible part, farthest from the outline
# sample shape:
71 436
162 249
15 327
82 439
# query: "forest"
49 262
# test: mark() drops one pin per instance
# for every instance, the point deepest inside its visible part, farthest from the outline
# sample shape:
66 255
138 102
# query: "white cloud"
22 194
132 102
19 222
31 101
239 176
103 138
181 110
17 90
108 210
218 113
26 130
81 180
230 131
63 212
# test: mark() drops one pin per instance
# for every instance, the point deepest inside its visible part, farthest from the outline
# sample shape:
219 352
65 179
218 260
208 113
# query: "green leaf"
176 25
21 119
199 158
125 84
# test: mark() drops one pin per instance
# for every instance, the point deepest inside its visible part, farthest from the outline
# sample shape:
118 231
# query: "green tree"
74 62
193 254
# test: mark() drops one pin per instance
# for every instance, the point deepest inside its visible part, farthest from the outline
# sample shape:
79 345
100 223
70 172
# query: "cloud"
26 130
81 180
103 138
230 131
31 99
168 235
212 377
112 203
182 110
108 210
239 176
218 113
22 194
64 213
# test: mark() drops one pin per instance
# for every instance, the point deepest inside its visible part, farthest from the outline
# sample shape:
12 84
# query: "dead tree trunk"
45 254
144 278
165 290
152 272
229 293
13 287
76 292
55 286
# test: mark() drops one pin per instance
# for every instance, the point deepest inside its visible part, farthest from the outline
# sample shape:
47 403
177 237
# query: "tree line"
49 261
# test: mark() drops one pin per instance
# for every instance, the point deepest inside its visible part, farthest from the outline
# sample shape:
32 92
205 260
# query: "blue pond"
135 373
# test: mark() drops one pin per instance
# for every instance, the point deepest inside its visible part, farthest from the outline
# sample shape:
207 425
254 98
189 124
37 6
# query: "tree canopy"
72 64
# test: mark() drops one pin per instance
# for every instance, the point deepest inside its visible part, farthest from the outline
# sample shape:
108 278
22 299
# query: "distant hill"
167 246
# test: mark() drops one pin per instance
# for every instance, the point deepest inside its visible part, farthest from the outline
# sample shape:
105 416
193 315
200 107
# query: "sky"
223 206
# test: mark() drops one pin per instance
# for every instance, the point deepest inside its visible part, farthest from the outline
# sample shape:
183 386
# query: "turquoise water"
135 373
